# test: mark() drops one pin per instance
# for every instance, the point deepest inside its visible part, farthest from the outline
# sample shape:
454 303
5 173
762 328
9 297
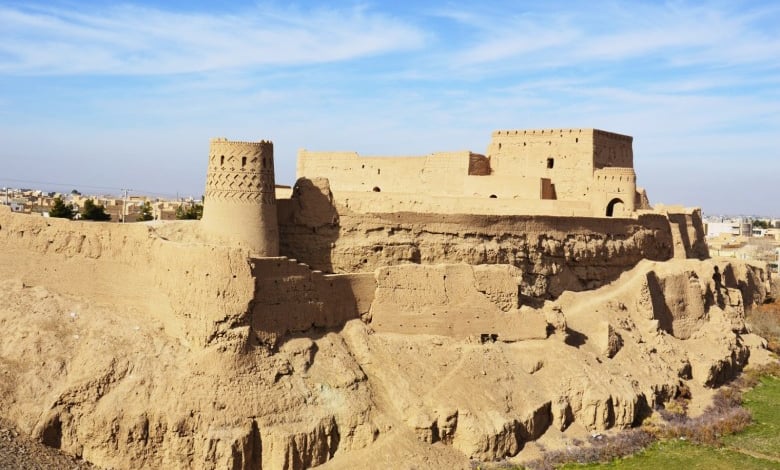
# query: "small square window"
550 162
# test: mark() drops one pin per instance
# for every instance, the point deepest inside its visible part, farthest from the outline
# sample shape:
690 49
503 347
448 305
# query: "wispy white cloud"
677 33
138 40
695 84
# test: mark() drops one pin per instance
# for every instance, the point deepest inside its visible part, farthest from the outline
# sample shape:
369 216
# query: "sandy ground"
18 451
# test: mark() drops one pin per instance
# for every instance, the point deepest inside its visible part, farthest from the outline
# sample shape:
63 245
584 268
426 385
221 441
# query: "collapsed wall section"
455 300
688 232
292 298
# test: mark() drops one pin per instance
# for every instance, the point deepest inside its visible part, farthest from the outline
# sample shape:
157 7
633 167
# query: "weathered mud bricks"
240 205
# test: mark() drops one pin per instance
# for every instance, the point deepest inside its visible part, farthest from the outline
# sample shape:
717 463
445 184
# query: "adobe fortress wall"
553 253
337 241
436 174
370 202
582 172
204 294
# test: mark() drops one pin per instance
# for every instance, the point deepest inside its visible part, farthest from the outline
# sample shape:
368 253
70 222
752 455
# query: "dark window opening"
222 160
243 162
493 196
376 189
550 162
611 206
378 171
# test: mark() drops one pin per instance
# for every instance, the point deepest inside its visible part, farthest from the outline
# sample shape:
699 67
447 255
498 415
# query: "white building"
714 229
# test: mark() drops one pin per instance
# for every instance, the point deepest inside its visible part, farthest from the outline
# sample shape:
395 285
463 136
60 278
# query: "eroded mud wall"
554 253
205 294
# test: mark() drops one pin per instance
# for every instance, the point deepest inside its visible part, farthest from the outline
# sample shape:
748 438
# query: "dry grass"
598 448
765 322
725 416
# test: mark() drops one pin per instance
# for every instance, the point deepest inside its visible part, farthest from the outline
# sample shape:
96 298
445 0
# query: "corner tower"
240 204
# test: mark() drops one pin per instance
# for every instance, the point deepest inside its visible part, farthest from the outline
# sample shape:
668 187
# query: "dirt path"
757 455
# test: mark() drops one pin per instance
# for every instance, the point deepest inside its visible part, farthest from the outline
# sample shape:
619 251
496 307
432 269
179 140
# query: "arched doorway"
614 204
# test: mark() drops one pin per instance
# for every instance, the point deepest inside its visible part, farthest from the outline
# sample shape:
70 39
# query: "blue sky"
127 95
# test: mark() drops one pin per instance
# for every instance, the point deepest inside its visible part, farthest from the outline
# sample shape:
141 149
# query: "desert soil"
18 451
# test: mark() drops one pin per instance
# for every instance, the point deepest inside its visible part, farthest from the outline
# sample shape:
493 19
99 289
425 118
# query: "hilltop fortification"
387 305
560 172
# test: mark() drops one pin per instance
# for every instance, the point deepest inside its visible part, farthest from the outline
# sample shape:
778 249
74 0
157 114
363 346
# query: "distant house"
17 205
715 229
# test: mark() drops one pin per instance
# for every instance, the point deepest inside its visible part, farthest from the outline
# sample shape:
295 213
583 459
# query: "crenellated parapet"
241 172
615 174
534 132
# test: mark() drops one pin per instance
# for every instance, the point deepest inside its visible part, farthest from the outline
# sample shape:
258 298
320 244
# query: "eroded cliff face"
132 350
554 254
140 346
112 388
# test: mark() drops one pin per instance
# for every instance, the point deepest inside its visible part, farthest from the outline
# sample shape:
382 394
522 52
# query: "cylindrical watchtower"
240 203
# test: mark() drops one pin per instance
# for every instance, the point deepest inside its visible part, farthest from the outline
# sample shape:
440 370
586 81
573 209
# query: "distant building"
18 204
716 229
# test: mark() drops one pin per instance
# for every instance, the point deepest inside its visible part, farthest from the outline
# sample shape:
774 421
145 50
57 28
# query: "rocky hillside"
134 347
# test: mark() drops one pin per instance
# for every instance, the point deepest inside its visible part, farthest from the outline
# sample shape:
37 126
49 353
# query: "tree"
146 212
76 192
760 223
62 210
192 212
92 211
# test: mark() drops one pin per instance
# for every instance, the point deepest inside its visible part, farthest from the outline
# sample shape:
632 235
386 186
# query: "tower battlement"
239 142
241 171
240 201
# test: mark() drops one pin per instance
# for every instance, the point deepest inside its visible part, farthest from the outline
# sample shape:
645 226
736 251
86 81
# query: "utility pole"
778 262
124 204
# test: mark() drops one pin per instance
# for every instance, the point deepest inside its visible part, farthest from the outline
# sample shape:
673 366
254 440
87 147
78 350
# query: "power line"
86 186
58 184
